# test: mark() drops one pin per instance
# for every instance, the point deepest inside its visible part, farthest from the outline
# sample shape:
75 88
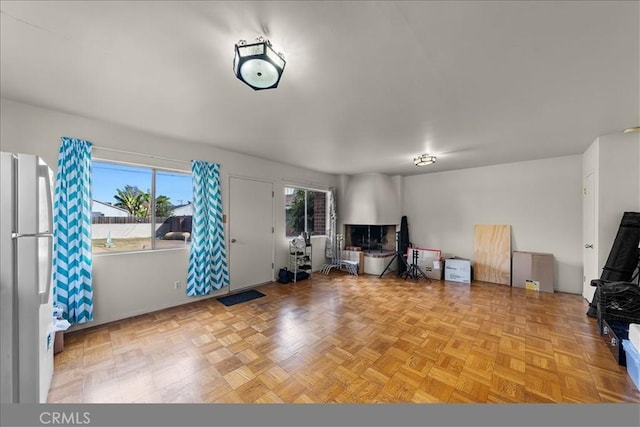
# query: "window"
305 210
136 208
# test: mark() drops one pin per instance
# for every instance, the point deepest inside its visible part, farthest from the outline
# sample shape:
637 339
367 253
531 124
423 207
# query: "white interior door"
251 244
589 254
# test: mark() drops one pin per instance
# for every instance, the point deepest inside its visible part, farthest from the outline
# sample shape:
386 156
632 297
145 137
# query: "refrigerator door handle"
45 173
44 295
19 235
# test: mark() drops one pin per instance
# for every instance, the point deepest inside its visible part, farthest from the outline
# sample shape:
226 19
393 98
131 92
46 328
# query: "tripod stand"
414 270
399 256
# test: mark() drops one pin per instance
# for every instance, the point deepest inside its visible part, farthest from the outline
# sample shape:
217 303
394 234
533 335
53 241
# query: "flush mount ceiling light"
257 64
633 129
424 160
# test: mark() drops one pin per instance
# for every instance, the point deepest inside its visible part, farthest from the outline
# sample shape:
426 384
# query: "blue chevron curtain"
208 257
72 288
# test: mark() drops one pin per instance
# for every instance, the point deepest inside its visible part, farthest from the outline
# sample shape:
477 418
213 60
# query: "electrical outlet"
176 284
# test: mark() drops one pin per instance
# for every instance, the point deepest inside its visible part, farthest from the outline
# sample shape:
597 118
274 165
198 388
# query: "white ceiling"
367 85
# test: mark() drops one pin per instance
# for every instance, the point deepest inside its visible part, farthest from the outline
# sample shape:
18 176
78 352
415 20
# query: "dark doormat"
240 297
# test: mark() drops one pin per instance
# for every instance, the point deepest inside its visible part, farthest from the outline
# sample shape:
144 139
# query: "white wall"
371 199
122 231
135 283
541 200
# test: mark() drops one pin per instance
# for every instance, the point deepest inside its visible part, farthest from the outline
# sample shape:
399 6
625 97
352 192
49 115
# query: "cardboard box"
533 267
433 268
457 270
532 285
354 255
58 342
429 260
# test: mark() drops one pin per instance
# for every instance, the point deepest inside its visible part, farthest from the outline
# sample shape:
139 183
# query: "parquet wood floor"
347 339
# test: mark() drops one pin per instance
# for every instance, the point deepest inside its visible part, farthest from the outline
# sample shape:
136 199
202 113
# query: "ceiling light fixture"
424 160
633 129
257 64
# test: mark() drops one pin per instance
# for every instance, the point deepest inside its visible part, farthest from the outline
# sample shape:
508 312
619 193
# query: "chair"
336 260
617 296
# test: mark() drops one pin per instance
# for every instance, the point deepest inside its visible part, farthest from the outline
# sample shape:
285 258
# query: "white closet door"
251 242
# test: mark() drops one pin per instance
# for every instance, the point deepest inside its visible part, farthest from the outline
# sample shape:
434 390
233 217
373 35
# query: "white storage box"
634 335
457 270
633 362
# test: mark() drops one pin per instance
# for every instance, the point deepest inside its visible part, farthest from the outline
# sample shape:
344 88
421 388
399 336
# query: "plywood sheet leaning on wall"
492 254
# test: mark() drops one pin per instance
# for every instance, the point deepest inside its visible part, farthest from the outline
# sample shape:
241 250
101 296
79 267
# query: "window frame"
306 189
152 206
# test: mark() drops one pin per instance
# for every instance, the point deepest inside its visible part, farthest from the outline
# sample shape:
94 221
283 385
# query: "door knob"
233 240
589 246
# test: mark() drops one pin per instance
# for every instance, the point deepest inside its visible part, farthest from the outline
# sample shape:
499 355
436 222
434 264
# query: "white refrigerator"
26 311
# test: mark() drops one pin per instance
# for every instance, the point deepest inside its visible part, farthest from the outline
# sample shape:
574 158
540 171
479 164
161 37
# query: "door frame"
589 255
229 229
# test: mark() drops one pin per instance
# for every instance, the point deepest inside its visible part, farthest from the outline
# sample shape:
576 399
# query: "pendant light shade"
258 65
424 160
